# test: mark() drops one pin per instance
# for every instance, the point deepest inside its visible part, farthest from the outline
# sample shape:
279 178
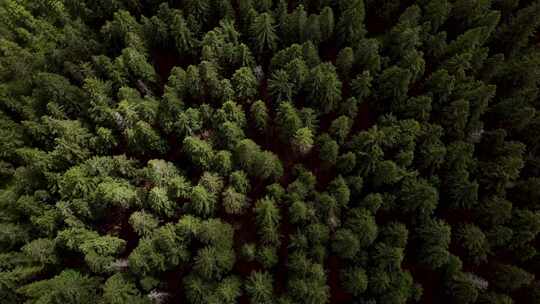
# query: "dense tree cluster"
239 151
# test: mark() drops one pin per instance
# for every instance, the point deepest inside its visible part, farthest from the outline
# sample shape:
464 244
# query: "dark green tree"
264 34
268 218
259 287
324 87
435 239
260 116
244 83
355 280
350 25
473 240
69 285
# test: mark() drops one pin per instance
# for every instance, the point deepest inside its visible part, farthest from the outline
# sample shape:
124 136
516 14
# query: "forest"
269 151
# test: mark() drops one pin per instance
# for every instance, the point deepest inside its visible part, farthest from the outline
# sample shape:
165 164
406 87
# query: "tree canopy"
270 151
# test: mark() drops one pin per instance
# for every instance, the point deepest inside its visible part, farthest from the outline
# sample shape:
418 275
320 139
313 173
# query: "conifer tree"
350 25
259 287
263 33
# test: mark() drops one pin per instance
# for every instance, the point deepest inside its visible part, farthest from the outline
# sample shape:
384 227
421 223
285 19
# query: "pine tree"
313 29
212 262
329 149
302 141
345 61
288 121
198 151
259 287
280 86
42 251
263 32
326 21
473 240
367 55
355 280
159 202
340 128
203 201
345 244
69 285
143 223
418 196
260 116
182 35
120 290
268 219
234 202
362 223
244 83
350 26
518 31
435 237
324 87
508 277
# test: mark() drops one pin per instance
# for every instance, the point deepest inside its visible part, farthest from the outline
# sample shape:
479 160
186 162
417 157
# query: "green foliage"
259 287
288 121
212 262
239 181
69 285
355 280
350 26
508 277
395 234
307 282
339 189
418 196
118 289
248 252
324 87
345 61
99 253
260 116
234 202
329 149
346 244
257 163
280 85
474 241
394 83
463 289
144 139
302 140
42 251
268 218
163 250
229 134
199 151
159 202
182 35
362 223
202 201
327 23
435 237
263 33
223 162
244 83
143 223
267 257
348 151
340 128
